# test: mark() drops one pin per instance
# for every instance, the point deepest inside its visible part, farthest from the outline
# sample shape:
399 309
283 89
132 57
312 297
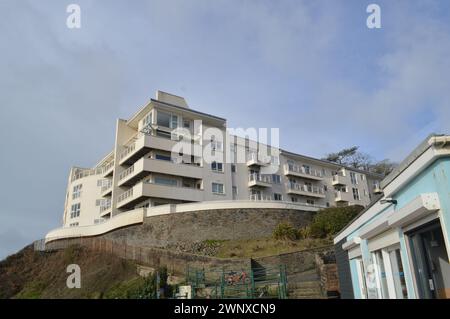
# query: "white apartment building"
159 158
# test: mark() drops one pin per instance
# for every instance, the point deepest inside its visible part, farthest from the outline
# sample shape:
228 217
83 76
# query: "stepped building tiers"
168 153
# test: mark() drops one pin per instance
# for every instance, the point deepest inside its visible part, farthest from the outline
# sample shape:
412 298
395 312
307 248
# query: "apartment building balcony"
342 197
106 190
144 142
305 190
108 169
300 171
145 190
338 180
259 180
254 159
260 197
142 167
105 210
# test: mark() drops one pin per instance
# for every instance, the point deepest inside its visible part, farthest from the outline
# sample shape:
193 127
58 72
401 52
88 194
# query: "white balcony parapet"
106 206
306 188
108 166
254 177
80 173
126 172
338 179
106 187
130 148
125 195
257 159
260 197
290 168
340 196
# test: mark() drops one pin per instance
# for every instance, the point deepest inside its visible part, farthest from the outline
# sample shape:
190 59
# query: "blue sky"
311 68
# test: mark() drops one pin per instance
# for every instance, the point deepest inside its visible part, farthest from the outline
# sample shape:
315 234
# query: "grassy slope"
262 247
30 274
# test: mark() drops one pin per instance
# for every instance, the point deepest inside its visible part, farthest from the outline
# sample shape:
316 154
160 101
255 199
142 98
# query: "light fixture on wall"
389 200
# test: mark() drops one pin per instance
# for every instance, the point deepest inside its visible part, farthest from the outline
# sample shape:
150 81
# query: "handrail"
306 188
302 170
125 195
126 172
108 166
107 186
260 197
129 149
255 177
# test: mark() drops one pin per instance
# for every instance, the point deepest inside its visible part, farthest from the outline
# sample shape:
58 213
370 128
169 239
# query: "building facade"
397 248
168 153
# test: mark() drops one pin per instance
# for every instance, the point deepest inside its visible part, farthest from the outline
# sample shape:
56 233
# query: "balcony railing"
260 197
125 195
126 172
108 166
303 170
306 188
130 148
106 187
256 158
105 207
260 178
80 173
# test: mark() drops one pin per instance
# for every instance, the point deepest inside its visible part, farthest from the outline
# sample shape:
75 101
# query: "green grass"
265 247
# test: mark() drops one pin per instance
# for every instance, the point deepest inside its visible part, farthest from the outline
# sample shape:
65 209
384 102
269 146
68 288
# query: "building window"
276 179
277 196
77 191
294 199
306 169
362 177
325 188
74 224
163 119
328 204
218 167
147 120
75 210
353 178
310 202
355 194
217 188
174 121
165 181
163 157
233 168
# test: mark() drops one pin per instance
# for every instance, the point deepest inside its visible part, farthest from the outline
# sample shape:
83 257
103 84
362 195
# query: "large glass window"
165 181
163 119
163 157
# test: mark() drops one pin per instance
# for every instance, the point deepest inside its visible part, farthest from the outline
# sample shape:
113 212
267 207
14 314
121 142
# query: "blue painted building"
398 246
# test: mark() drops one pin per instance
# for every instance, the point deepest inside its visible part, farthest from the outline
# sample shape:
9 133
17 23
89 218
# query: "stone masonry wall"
224 224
